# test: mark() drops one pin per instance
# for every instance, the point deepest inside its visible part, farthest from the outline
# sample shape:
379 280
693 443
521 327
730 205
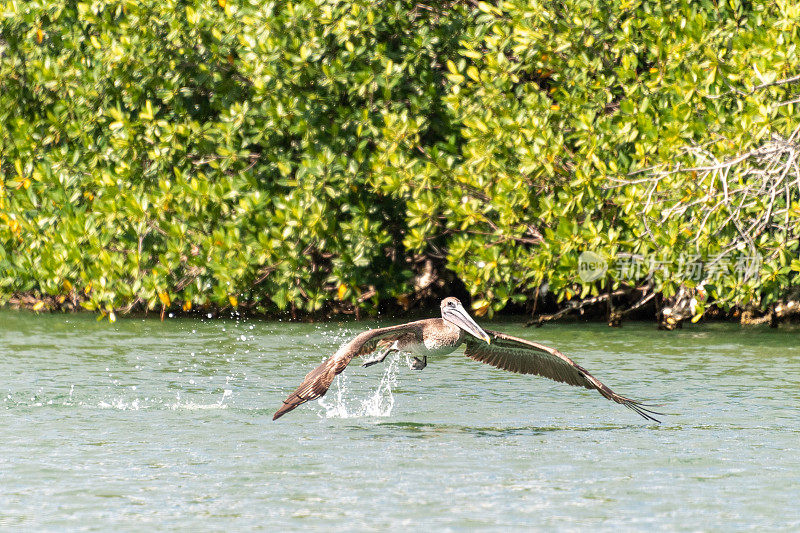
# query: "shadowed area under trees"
320 157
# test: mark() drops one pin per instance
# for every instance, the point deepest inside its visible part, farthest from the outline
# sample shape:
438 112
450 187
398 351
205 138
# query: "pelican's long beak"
461 318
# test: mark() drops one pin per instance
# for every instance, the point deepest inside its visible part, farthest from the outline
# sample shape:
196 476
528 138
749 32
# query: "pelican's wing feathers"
526 357
317 382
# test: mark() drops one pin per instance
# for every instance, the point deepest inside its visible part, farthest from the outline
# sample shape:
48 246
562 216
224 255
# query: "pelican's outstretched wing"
317 382
526 357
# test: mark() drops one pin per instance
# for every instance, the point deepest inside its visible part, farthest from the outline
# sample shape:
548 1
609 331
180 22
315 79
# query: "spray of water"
137 404
339 403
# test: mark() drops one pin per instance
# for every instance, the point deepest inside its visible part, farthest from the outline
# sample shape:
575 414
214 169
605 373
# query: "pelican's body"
441 336
438 337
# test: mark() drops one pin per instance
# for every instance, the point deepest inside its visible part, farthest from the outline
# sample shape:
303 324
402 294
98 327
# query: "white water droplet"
379 403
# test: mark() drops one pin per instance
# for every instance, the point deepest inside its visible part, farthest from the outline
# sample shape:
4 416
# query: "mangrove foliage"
323 156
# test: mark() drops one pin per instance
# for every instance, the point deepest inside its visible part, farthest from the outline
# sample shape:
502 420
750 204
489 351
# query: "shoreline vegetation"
609 160
589 310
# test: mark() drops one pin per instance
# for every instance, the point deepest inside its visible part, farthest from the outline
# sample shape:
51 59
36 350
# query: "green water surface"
144 424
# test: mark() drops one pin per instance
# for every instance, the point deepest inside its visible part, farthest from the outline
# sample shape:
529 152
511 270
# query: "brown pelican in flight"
441 336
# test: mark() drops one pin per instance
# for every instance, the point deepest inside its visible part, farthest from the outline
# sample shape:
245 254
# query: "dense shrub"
327 154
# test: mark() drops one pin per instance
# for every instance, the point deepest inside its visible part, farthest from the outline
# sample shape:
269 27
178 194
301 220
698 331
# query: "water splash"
137 404
379 403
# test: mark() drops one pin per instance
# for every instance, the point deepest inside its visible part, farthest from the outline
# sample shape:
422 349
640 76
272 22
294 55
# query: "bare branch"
750 193
575 306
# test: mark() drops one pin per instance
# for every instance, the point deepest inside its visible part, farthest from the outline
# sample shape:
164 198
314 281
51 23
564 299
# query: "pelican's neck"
452 328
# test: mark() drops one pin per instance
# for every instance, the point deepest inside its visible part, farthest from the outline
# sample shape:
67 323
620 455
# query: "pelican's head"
454 312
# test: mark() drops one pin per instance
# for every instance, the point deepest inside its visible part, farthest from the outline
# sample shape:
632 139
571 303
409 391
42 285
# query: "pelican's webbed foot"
375 360
381 356
418 364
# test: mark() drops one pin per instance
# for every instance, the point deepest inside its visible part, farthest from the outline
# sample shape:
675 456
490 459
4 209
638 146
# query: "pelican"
441 336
